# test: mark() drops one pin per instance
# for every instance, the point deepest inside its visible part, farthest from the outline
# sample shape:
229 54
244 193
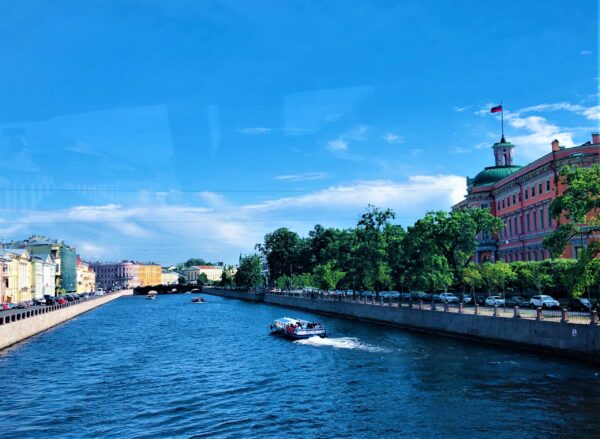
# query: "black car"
69 297
579 304
39 301
517 301
50 300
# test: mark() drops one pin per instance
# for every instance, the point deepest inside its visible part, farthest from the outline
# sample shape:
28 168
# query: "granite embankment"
549 336
18 327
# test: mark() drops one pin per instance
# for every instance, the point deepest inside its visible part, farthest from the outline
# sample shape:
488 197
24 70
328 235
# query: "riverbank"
531 332
15 328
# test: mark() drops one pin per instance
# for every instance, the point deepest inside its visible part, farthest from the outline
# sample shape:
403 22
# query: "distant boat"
198 300
151 295
297 329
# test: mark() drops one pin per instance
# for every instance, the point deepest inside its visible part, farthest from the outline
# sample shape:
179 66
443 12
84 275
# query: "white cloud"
392 138
307 176
592 113
337 145
410 197
459 150
358 133
540 132
255 130
460 109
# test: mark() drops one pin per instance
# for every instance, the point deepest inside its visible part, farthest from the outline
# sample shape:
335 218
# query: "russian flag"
497 109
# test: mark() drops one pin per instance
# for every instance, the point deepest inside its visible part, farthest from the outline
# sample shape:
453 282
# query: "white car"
543 301
494 300
99 292
448 298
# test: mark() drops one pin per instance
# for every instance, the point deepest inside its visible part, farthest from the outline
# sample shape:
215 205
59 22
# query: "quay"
551 332
18 325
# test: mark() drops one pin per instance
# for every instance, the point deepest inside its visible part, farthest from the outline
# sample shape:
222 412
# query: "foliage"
181 280
496 276
326 276
249 272
202 279
227 276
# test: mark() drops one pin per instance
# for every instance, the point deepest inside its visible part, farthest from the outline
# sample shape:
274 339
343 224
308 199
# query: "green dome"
493 174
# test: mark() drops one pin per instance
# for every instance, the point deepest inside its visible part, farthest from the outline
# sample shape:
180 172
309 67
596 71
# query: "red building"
521 197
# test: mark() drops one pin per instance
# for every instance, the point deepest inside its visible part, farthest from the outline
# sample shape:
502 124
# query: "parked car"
467 298
39 302
22 305
99 292
517 301
417 295
448 298
367 294
4 306
494 301
50 300
544 302
579 304
389 294
61 301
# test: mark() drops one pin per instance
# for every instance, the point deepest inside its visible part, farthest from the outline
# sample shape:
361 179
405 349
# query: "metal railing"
550 315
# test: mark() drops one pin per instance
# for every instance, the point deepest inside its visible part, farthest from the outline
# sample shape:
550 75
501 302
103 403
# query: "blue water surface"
136 368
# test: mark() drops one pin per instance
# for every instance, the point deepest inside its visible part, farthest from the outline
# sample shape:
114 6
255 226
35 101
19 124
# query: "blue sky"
165 130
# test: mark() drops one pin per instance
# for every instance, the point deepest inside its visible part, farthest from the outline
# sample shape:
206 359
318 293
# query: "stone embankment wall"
562 338
575 340
241 295
42 319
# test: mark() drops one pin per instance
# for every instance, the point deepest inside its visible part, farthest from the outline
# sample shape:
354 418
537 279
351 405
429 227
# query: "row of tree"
436 253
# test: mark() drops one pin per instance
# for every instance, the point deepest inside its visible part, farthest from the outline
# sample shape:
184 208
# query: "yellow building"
17 271
86 277
150 275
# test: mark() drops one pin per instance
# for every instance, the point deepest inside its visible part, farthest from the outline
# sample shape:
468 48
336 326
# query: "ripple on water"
170 369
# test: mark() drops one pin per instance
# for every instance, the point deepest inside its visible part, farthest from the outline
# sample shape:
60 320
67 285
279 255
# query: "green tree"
496 276
452 236
181 280
202 279
327 277
227 276
249 272
285 252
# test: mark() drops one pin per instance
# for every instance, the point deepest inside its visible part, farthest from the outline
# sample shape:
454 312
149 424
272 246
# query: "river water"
170 368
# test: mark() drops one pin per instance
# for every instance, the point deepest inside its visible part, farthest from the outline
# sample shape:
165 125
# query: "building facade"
17 275
86 278
213 273
150 275
168 277
61 254
43 276
521 196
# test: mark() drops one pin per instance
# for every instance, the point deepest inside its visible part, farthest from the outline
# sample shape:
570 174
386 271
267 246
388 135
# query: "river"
136 368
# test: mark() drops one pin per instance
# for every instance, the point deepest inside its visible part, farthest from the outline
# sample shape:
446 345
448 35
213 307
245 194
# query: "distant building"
126 274
43 276
86 277
18 274
169 277
3 278
61 254
520 196
213 272
150 274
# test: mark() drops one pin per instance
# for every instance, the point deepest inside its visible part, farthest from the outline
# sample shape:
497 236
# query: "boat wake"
342 343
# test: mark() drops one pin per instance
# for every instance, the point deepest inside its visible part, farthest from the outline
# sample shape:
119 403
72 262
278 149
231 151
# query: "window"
515 225
547 185
502 204
507 201
549 218
509 227
527 222
532 191
534 218
514 199
540 188
541 218
527 194
519 195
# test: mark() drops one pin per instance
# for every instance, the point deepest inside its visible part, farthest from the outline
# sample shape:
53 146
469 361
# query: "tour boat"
151 295
198 300
297 329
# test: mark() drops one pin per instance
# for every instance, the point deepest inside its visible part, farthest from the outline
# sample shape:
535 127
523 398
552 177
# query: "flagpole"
502 118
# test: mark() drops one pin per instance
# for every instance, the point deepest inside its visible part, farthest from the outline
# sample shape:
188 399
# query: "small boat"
198 300
297 329
151 295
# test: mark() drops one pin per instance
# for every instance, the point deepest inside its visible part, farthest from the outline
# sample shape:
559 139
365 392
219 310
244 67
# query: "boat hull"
294 336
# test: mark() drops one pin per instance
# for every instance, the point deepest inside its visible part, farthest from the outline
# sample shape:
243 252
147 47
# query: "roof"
493 174
13 251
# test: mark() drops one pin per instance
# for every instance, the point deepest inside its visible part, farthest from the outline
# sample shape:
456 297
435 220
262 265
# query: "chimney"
596 138
555 145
